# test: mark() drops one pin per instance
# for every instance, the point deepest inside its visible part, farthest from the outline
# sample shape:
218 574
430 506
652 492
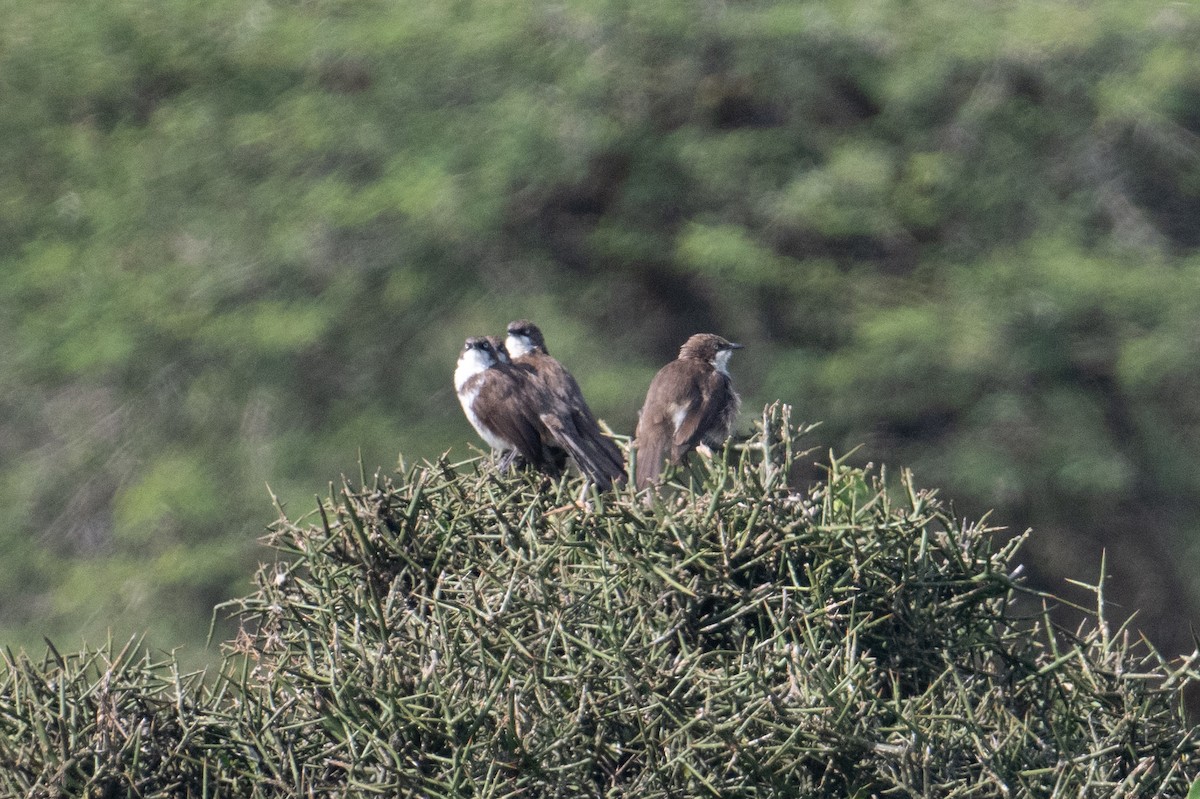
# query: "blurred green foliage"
242 241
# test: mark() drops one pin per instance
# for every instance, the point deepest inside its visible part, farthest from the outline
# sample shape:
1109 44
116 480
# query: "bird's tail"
649 459
606 451
602 465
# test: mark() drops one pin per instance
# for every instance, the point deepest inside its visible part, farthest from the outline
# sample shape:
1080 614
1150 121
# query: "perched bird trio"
529 409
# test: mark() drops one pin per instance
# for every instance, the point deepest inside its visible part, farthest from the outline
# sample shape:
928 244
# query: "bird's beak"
733 346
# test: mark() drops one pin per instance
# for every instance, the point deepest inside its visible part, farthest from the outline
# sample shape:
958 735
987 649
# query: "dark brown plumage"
560 406
690 402
498 345
495 398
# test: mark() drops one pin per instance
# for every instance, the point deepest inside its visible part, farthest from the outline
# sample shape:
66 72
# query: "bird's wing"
503 411
655 426
711 396
566 414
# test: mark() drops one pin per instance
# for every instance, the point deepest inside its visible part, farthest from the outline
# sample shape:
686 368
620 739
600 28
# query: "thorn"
574 504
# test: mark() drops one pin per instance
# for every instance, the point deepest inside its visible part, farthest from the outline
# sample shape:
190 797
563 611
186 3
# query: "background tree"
243 241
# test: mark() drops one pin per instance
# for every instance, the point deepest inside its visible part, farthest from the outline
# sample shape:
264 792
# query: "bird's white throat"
518 346
470 363
721 361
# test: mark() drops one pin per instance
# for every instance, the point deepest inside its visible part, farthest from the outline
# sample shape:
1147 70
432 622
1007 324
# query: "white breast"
467 399
470 363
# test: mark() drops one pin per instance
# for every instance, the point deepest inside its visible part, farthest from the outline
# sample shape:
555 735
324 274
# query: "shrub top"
454 632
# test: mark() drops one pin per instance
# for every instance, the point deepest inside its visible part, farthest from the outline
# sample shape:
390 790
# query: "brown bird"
691 402
560 406
495 397
498 345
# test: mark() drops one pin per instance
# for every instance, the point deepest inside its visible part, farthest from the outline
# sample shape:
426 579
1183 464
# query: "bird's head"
710 348
501 351
477 355
524 337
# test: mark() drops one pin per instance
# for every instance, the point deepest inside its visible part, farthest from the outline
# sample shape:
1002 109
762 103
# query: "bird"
494 397
511 457
498 344
559 404
690 403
